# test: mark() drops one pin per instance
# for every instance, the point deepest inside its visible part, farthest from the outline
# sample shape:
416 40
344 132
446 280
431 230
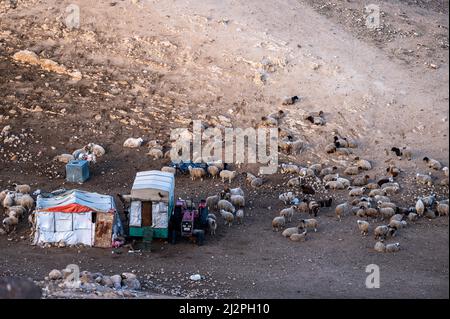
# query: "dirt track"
157 65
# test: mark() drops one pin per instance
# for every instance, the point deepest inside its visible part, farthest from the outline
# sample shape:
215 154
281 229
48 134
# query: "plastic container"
77 171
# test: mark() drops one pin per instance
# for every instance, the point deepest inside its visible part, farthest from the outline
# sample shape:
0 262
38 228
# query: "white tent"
76 217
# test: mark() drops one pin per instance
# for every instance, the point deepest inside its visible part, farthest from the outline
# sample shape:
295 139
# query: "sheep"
196 172
344 151
10 223
387 205
384 180
309 223
442 209
133 142
237 200
390 190
316 118
299 236
392 248
290 100
371 213
226 174
212 201
288 213
257 182
3 195
397 217
361 181
278 223
236 191
420 207
314 208
286 198
226 206
213 171
212 225
430 214
445 170
294 182
289 169
351 170
156 153
288 232
17 211
327 171
316 168
358 191
334 185
169 169
64 158
240 216
330 177
344 181
432 163
412 217
424 179
397 224
383 199
8 201
228 217
363 164
380 247
268 121
386 213
377 192
96 149
393 171
249 178
340 142
341 210
363 227
384 231
330 148
303 207
372 186
429 201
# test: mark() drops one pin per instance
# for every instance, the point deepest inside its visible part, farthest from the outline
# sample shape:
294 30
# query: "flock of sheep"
16 204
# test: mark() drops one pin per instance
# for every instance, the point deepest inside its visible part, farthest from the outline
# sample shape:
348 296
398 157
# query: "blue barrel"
77 171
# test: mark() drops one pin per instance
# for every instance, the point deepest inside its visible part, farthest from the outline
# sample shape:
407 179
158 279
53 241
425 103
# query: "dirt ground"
151 66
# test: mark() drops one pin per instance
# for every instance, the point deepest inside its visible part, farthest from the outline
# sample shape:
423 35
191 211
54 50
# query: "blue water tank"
77 171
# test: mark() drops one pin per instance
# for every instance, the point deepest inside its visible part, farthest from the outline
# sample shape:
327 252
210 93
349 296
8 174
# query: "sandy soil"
152 66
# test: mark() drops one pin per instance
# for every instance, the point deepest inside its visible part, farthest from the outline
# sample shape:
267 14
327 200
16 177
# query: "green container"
157 232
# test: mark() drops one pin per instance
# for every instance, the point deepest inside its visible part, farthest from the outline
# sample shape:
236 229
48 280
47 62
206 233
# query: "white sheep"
390 190
442 209
341 210
156 153
237 191
420 207
352 170
363 227
8 201
286 198
225 205
296 181
363 164
212 201
289 231
309 223
10 223
445 170
299 236
383 199
257 182
424 179
133 142
412 217
169 169
288 213
397 217
196 172
17 211
397 224
213 171
249 177
226 174
3 195
330 148
212 225
392 248
386 205
372 186
377 192
384 231
432 163
97 149
360 180
330 177
240 216
343 181
237 201
24 200
228 217
289 169
357 191
278 223
334 185
328 170
380 247
64 158
386 213
23 189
